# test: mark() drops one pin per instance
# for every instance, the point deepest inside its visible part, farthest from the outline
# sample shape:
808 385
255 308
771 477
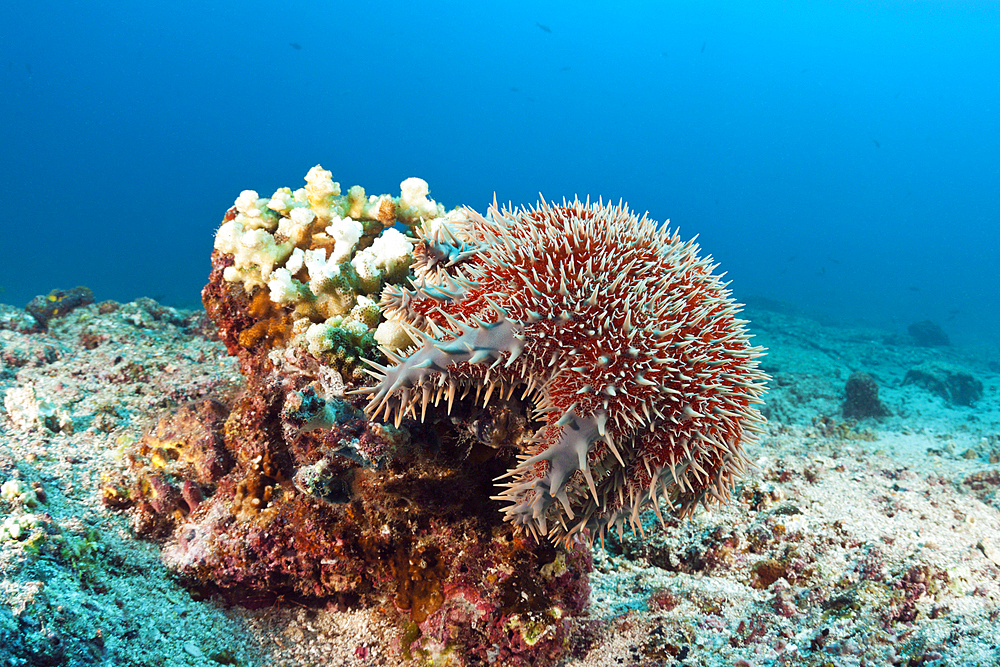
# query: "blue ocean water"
840 155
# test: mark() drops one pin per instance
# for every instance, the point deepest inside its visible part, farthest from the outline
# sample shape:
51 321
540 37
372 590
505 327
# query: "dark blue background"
844 156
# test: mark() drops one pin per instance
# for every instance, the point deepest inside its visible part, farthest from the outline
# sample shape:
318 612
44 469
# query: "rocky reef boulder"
955 385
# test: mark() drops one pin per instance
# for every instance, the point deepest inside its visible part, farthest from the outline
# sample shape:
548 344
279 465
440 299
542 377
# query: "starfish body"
626 341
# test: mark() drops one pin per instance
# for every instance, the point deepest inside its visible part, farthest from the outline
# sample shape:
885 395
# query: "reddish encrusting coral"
229 308
419 535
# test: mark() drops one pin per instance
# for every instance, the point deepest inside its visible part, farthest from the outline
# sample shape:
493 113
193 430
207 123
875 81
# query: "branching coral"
306 268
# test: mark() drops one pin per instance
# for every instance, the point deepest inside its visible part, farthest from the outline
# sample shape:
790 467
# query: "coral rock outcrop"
955 385
861 398
287 489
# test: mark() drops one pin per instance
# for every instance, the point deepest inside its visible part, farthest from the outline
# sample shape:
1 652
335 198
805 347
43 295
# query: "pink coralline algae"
588 354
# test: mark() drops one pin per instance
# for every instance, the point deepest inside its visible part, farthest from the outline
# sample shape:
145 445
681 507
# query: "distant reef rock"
58 302
928 334
954 385
861 398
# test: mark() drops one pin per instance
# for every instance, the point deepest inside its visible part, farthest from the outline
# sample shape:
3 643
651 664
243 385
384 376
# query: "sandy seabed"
853 542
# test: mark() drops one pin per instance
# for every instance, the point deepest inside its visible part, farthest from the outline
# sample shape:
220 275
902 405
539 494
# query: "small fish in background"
877 144
565 68
914 288
703 46
295 45
952 314
544 27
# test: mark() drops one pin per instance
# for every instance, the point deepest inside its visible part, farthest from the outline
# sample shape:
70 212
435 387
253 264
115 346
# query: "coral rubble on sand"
76 588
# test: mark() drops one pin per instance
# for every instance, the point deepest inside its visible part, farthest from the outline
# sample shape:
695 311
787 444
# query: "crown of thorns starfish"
628 344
